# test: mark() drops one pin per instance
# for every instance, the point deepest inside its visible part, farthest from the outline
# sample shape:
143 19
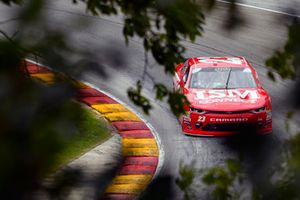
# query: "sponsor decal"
227 100
241 119
224 96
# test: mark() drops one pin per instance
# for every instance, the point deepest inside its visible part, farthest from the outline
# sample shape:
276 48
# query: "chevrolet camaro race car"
225 97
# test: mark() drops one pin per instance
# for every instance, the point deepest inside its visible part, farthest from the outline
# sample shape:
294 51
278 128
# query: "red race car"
225 97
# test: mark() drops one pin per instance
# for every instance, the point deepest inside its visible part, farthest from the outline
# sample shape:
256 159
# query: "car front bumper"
215 124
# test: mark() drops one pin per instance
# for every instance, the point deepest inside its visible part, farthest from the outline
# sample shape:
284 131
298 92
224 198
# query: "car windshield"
222 78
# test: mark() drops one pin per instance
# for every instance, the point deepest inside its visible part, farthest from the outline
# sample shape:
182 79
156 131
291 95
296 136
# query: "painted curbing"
141 146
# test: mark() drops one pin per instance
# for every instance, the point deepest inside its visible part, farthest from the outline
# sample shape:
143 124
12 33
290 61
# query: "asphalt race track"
256 40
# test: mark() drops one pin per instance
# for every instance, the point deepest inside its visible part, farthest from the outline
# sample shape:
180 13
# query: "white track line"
260 8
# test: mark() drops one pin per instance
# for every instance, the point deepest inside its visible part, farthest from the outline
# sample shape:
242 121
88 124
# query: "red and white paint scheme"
225 97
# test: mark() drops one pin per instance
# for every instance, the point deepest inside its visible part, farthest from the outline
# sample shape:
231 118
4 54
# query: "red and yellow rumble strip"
140 150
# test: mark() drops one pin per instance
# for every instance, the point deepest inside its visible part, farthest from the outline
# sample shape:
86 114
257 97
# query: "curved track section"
256 40
139 147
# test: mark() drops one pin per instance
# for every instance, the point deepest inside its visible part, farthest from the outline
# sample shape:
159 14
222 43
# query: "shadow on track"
160 189
257 153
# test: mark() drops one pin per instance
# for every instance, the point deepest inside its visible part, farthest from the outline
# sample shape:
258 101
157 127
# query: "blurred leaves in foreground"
276 179
223 180
37 120
185 182
138 99
162 25
286 62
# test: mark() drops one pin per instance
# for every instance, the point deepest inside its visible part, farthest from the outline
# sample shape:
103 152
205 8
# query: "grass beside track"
89 133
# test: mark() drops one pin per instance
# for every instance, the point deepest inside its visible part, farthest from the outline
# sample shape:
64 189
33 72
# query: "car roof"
220 62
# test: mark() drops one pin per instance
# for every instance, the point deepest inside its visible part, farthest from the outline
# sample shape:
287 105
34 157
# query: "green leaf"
286 62
136 97
187 174
271 76
177 101
290 114
233 166
161 91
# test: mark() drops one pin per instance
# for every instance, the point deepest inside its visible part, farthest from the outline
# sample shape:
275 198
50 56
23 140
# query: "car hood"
227 99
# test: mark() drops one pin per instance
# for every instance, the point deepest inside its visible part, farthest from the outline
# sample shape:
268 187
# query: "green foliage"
271 75
182 18
161 91
177 101
208 4
36 121
222 179
34 126
173 20
289 115
294 152
286 61
283 190
33 131
284 183
137 98
281 181
162 25
97 7
233 167
185 181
